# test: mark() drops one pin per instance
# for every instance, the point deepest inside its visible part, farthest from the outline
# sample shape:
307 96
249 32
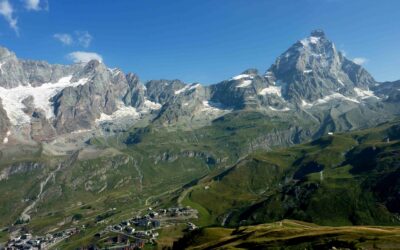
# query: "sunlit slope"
291 234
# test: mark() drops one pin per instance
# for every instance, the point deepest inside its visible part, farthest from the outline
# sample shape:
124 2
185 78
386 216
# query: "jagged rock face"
312 68
78 107
11 72
240 91
388 90
15 72
189 104
62 98
136 93
41 128
161 91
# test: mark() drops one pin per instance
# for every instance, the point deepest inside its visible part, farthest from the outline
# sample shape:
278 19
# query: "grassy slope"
289 234
166 160
287 183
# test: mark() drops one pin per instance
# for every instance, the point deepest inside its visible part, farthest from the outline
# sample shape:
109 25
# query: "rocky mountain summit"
313 68
40 101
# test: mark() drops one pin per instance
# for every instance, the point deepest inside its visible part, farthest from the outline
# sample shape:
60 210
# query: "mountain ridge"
46 101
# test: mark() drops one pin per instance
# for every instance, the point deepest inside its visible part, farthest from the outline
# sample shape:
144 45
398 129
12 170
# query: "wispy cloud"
84 38
36 5
7 11
64 38
81 38
360 60
84 57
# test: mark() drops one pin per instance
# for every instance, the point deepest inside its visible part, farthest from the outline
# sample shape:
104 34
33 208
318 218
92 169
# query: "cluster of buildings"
136 232
28 242
133 233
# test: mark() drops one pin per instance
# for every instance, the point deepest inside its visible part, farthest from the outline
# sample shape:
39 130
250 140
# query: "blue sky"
198 41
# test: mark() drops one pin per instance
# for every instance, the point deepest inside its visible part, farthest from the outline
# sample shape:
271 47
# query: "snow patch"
122 112
310 40
271 90
364 94
186 88
212 107
314 39
327 99
279 110
307 71
179 91
115 71
81 131
244 84
242 76
152 105
12 98
305 104
341 82
5 140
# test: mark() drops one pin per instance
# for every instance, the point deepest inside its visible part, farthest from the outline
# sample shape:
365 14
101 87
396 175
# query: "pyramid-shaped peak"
317 33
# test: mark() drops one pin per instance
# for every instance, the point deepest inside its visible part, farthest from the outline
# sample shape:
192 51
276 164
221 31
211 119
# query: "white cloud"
7 11
360 60
64 38
84 57
32 4
84 38
36 5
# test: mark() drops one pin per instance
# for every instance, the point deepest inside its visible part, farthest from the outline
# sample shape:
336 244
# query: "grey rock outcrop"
162 91
17 72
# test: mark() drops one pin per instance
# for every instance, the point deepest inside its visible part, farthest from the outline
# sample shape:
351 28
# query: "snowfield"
242 76
364 93
271 90
12 98
244 84
327 99
279 110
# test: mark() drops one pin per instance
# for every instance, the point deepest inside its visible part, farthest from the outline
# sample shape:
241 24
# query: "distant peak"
318 33
250 72
5 53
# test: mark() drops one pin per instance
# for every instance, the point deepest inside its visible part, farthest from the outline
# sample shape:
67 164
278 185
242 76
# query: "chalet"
191 226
